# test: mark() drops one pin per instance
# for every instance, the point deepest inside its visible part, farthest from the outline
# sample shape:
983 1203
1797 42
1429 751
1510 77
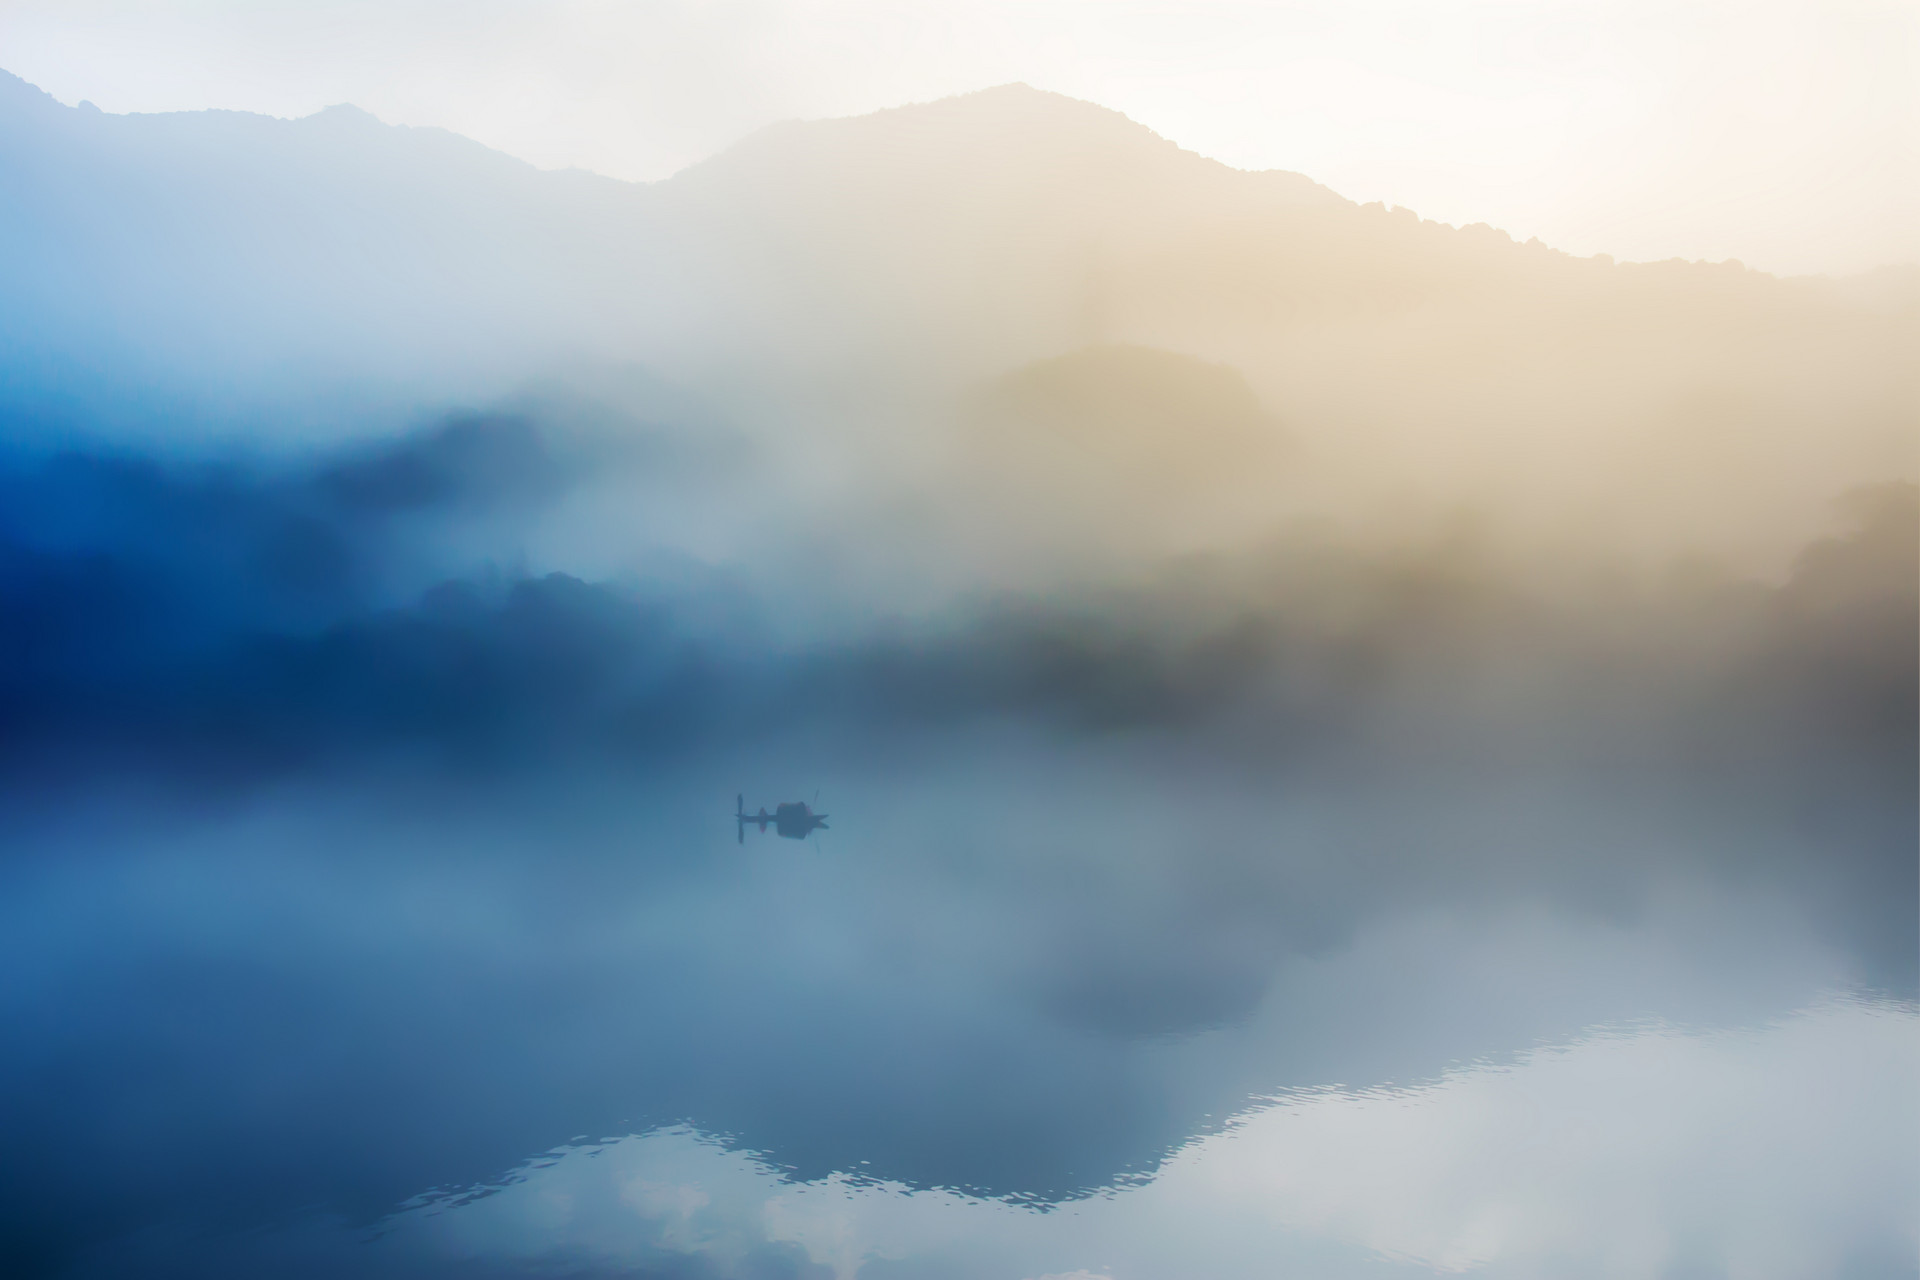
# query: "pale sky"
1785 133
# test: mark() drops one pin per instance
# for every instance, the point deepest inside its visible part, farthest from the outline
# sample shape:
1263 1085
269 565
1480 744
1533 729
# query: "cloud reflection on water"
1632 1152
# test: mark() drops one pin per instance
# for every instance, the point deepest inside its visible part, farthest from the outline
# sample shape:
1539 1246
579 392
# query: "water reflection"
1027 978
1629 1151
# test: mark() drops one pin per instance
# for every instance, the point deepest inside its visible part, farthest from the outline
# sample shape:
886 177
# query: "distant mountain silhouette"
215 251
216 266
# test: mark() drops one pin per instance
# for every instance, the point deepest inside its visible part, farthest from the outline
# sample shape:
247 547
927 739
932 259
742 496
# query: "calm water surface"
1028 1007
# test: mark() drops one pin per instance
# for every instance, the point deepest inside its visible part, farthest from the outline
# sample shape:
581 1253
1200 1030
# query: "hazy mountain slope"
846 288
1671 405
980 223
217 255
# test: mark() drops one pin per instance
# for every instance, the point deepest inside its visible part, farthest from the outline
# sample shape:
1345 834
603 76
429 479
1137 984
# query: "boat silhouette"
795 821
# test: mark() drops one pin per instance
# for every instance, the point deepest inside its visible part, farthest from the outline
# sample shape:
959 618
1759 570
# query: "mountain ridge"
18 91
845 284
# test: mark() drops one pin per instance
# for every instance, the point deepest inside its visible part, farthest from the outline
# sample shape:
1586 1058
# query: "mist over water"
1351 746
